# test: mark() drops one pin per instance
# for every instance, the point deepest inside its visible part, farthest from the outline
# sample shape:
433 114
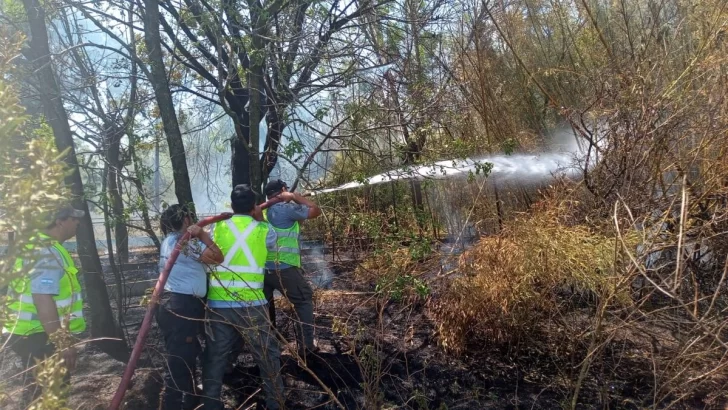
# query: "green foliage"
420 247
13 9
293 148
321 112
31 186
31 183
509 145
401 285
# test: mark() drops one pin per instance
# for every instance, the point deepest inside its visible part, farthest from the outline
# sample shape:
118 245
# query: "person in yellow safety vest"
45 299
236 303
283 266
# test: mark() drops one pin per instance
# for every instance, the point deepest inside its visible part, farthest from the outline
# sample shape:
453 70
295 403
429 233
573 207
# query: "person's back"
284 218
284 267
236 303
182 308
238 281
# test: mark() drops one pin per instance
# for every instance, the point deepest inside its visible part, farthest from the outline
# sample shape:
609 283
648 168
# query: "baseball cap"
274 187
68 211
64 212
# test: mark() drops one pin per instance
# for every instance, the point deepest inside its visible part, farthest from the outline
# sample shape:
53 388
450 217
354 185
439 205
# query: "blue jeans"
228 327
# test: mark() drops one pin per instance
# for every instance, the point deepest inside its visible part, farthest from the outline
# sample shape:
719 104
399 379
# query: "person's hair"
173 218
242 199
274 188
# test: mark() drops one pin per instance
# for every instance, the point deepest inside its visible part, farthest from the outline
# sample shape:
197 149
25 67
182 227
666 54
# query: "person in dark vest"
283 267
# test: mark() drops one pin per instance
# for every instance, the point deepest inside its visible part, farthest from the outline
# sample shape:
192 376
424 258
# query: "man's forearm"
47 313
300 199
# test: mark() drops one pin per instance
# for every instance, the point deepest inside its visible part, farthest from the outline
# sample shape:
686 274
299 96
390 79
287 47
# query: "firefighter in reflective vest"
46 298
236 304
283 266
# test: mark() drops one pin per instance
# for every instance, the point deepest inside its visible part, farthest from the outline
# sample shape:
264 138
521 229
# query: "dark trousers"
294 286
32 349
227 329
180 318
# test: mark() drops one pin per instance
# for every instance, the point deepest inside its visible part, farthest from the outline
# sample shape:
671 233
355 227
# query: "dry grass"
514 280
386 263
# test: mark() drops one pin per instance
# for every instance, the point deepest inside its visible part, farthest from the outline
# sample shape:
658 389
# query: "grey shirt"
283 215
46 273
188 275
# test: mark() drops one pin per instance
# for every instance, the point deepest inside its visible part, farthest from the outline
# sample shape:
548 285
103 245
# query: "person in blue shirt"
182 307
283 269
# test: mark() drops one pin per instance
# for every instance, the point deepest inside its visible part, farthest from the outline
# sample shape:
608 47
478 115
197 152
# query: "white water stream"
563 160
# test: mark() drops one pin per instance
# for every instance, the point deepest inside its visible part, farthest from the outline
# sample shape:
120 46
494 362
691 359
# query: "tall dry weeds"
511 282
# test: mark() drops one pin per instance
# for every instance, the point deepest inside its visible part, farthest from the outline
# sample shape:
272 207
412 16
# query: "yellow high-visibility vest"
23 313
238 281
288 247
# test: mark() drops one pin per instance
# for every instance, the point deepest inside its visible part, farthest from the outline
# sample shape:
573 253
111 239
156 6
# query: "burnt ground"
377 354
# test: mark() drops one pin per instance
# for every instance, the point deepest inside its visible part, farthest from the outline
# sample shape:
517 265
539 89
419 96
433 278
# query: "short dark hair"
173 218
242 199
273 188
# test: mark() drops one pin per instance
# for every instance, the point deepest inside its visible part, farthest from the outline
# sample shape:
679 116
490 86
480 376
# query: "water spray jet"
520 168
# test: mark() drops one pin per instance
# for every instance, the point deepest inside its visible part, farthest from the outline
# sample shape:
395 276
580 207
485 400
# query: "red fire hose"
147 323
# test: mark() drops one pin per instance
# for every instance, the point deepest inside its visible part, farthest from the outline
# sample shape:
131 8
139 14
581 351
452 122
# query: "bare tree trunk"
110 246
102 320
498 207
111 148
256 83
142 194
121 233
182 187
129 127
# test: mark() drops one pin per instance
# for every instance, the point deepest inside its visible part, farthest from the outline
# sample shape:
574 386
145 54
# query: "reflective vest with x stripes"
238 280
23 315
288 249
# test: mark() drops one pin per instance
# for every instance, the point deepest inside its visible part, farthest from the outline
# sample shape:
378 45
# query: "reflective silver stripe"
240 242
232 284
286 234
34 316
241 269
26 316
59 303
288 250
26 299
64 302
